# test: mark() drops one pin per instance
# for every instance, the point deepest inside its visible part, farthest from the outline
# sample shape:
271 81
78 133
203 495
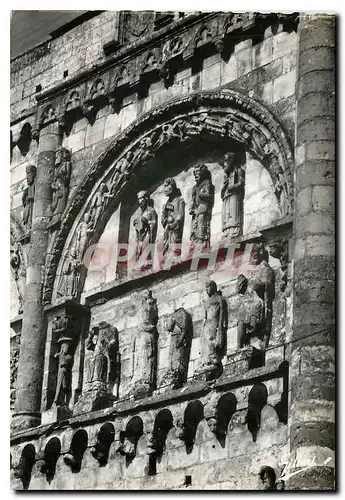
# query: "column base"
319 477
22 420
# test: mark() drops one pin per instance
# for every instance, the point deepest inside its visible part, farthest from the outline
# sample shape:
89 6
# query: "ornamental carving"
184 117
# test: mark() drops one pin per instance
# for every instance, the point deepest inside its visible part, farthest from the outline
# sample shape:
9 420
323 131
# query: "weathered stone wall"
212 463
259 59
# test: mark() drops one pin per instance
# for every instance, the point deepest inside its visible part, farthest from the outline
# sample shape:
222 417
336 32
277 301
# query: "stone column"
31 358
312 372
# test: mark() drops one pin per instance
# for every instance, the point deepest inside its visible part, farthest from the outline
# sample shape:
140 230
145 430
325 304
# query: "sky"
32 27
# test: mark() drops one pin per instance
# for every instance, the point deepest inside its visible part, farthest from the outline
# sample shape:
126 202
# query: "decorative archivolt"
225 114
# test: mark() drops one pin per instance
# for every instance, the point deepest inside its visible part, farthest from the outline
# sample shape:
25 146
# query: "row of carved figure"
102 376
220 414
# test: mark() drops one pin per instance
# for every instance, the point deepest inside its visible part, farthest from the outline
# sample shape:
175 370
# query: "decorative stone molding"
227 114
153 57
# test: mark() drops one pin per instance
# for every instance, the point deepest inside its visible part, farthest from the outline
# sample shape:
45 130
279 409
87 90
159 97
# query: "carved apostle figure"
172 215
213 334
232 194
180 327
60 185
144 349
122 169
83 233
19 274
146 224
28 196
250 312
98 205
64 377
202 204
70 279
264 284
103 369
281 194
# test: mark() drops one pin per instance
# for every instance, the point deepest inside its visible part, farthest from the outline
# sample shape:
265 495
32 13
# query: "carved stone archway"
226 114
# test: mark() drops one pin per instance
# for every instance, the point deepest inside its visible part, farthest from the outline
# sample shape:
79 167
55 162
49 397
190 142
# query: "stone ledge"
123 408
119 287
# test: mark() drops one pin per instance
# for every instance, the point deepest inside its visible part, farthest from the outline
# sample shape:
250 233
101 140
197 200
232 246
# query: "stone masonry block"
303 200
323 198
312 105
283 43
318 58
211 77
95 132
315 222
244 61
284 86
262 53
228 70
129 114
319 128
320 173
320 150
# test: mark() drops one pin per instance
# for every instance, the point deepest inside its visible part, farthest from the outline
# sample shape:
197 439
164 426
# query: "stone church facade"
172 254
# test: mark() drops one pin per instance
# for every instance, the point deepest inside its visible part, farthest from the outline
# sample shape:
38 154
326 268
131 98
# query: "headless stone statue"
213 334
251 311
145 349
180 327
172 215
202 205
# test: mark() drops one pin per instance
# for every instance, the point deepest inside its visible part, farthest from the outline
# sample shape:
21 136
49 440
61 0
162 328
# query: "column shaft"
312 370
31 358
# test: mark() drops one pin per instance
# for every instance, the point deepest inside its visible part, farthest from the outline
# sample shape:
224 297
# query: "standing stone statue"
60 184
232 194
122 169
69 284
172 215
28 196
213 334
180 327
144 349
103 369
264 285
64 378
250 314
202 205
146 224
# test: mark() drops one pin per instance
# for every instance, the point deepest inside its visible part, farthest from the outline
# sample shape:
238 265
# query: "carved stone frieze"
143 139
